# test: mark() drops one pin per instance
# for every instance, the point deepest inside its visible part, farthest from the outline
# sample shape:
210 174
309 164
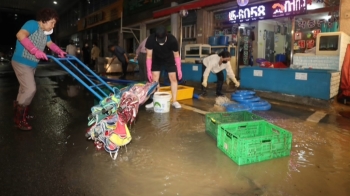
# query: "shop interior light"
55 2
315 5
242 2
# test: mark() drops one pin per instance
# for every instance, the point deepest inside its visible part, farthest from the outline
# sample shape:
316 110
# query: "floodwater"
170 154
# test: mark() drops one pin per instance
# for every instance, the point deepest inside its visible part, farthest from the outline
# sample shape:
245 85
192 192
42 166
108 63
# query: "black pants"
219 75
93 64
124 67
219 83
87 62
142 66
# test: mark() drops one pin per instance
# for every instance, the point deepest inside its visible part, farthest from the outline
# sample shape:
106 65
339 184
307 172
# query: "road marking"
316 117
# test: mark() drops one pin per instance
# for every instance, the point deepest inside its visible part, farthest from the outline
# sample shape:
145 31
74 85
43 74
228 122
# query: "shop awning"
187 6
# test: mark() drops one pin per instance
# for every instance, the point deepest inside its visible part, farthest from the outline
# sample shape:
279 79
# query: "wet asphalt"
43 161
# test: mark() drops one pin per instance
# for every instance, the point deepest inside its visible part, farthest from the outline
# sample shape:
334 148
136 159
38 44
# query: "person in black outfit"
162 53
119 53
86 55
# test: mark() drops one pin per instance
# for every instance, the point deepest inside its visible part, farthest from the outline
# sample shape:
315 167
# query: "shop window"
308 27
189 32
329 42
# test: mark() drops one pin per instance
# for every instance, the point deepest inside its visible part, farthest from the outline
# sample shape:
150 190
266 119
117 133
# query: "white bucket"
161 102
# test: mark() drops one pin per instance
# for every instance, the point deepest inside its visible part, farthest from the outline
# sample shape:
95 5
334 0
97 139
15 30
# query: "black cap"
161 34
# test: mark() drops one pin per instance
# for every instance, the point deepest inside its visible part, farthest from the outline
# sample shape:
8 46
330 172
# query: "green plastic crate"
251 142
213 120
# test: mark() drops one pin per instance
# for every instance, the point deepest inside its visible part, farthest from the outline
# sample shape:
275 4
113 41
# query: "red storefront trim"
187 6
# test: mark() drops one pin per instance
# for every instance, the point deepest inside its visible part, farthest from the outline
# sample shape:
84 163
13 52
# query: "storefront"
277 33
100 26
259 30
282 37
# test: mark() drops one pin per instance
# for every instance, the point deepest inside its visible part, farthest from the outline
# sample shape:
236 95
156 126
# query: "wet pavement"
170 154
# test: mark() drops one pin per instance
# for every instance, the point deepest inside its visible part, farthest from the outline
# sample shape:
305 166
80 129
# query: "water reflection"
183 160
67 86
5 65
171 154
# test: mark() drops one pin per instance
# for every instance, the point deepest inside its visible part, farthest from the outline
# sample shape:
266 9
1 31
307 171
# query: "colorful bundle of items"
109 119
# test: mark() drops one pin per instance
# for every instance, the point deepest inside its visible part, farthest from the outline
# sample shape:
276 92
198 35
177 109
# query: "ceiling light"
55 2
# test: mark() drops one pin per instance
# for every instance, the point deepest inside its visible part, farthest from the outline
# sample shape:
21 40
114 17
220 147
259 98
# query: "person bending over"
119 53
216 63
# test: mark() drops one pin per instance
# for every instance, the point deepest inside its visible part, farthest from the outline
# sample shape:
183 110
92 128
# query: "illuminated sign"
248 14
267 11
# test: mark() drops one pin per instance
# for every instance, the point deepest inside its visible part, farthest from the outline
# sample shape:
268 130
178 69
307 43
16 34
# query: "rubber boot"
15 103
26 113
219 88
20 118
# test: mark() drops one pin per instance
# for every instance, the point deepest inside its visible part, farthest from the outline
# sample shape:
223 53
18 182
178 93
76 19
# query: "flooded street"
170 154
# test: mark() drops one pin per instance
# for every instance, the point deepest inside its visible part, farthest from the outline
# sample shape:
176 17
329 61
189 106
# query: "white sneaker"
149 106
176 105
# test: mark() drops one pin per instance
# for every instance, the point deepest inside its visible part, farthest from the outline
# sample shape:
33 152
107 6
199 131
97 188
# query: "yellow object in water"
121 140
183 92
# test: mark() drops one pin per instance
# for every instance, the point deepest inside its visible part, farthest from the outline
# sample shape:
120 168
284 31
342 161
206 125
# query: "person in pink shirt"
141 58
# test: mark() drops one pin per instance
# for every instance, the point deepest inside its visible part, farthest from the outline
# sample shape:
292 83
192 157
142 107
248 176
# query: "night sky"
10 25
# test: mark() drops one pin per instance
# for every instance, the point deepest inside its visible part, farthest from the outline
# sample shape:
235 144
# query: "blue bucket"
223 40
280 58
213 41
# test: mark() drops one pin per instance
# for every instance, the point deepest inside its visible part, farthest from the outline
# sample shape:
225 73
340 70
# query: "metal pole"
121 22
292 41
121 31
180 37
238 48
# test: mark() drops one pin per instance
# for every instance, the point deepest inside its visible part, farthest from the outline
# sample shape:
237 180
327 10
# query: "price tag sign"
258 73
300 76
195 68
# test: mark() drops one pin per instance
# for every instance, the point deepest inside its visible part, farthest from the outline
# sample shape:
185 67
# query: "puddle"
170 154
